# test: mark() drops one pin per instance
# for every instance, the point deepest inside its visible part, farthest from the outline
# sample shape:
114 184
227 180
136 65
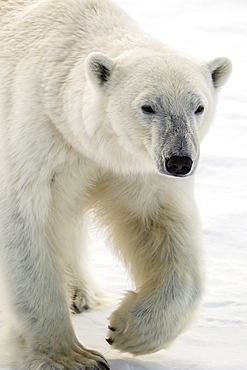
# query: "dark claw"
105 366
109 340
111 328
74 309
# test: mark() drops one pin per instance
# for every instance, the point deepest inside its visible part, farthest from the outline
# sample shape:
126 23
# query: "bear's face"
159 107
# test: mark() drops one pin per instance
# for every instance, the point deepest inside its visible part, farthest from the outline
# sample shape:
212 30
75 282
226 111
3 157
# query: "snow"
203 29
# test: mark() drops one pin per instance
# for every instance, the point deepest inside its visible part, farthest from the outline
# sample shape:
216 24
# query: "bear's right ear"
99 68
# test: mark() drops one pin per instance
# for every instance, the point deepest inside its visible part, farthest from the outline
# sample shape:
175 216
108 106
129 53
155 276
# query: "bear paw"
79 359
139 326
83 298
80 302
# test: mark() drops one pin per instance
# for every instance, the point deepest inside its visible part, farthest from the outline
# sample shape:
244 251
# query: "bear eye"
147 109
200 109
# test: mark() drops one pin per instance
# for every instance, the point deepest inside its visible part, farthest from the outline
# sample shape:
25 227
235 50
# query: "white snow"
203 29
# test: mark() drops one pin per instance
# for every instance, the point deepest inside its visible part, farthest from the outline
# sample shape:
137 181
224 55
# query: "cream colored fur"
74 77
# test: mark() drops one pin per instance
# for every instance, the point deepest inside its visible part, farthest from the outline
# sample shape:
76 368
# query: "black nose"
178 165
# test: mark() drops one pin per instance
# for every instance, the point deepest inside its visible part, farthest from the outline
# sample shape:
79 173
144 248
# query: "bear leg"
162 255
36 292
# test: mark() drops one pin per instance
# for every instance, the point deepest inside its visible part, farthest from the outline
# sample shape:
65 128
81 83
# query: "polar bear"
97 115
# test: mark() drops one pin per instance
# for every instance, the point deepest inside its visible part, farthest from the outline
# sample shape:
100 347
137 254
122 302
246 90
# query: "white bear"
97 115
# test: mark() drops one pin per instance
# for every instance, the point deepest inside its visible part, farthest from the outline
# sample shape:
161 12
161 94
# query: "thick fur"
91 107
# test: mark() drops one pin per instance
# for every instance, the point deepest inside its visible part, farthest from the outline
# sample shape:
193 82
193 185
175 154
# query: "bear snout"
178 165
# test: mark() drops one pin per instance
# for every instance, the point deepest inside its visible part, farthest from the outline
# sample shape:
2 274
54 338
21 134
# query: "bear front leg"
163 255
42 327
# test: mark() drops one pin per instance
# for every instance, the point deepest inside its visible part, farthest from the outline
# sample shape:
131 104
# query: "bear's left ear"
99 68
220 69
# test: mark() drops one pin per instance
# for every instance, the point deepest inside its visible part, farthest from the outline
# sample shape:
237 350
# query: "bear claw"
111 328
109 340
105 366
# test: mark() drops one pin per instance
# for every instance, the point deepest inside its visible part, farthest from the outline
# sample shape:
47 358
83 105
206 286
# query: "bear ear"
220 69
99 68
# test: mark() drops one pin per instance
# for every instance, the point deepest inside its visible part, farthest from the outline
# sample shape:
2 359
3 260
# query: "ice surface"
218 340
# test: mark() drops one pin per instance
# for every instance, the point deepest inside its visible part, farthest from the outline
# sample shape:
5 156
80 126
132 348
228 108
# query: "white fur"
74 77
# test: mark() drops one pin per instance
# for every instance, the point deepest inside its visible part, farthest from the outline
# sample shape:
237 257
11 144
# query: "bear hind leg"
84 294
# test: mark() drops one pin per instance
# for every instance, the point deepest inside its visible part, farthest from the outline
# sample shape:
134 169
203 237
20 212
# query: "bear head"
155 108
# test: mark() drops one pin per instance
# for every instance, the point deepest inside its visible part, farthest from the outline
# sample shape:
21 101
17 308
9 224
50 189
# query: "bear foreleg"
42 328
163 256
